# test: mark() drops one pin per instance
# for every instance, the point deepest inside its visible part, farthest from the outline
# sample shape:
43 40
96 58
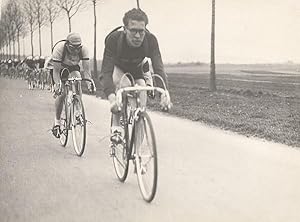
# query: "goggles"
74 47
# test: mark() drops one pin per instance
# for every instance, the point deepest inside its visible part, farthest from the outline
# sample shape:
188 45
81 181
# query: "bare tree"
31 21
53 12
9 25
40 17
19 20
71 7
95 39
2 39
212 85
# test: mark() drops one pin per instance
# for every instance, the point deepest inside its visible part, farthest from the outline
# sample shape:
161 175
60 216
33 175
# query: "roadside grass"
259 109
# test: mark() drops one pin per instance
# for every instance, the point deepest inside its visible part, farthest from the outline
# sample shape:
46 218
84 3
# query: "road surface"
205 174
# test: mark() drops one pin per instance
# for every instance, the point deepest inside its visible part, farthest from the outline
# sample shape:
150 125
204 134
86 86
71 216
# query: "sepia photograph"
149 111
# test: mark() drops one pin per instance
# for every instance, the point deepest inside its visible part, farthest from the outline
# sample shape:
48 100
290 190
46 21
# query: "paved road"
205 174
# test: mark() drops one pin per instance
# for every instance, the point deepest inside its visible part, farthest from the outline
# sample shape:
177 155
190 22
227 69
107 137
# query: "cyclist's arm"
56 59
157 63
86 64
108 66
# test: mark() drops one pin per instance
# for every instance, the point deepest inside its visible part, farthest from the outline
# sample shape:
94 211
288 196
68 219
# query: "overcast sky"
247 31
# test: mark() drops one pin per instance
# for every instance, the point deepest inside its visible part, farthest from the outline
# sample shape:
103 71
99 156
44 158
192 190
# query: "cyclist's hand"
165 101
151 94
57 89
114 108
91 86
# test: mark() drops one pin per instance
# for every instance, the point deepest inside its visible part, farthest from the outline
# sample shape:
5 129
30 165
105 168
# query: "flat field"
254 100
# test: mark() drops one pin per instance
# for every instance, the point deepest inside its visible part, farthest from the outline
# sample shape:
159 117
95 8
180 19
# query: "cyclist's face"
135 33
74 49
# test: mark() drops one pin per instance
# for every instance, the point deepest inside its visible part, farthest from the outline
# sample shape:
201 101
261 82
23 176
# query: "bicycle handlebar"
139 89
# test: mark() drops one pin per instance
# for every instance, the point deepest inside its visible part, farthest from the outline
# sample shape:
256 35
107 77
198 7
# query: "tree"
212 85
40 17
9 25
19 20
71 7
95 39
31 21
53 12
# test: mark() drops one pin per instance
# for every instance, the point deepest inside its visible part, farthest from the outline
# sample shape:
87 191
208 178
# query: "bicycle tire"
64 124
76 121
145 154
121 161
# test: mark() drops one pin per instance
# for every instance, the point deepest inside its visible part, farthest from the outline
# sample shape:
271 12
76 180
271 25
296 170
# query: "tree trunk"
24 47
51 30
31 41
69 19
212 85
40 39
14 48
7 51
95 41
9 48
18 36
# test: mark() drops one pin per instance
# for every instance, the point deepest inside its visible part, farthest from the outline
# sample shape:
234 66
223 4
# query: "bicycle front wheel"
146 157
78 126
64 124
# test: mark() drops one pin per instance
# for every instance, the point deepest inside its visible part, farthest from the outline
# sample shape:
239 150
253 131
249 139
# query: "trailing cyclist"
129 51
68 54
30 75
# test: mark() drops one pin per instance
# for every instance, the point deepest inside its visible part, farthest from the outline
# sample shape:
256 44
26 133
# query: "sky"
247 31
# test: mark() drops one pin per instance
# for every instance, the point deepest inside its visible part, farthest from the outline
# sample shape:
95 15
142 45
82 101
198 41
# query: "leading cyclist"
68 54
129 51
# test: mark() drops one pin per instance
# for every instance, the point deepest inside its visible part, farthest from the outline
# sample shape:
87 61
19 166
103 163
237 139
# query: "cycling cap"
74 38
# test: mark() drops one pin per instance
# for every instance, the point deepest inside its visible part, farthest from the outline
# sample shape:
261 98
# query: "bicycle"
139 143
73 114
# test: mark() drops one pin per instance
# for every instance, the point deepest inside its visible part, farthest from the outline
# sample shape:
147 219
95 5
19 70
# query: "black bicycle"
139 143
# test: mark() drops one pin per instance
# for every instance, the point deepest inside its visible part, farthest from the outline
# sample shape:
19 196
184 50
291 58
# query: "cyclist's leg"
76 74
59 106
146 70
116 128
140 124
117 75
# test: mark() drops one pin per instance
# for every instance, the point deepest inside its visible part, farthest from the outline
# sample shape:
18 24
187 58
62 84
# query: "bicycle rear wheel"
65 114
146 157
78 126
121 152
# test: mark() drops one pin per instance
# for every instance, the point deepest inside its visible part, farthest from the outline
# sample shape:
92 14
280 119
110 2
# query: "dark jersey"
118 53
41 63
30 63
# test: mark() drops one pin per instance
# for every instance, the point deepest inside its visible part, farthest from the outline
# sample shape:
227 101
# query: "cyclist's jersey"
48 63
9 64
30 63
41 63
128 58
69 60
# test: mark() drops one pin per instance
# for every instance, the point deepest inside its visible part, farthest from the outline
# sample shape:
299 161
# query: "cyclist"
68 55
41 73
48 67
129 51
30 71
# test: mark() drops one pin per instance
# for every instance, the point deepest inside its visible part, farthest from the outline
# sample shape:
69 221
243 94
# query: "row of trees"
20 17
